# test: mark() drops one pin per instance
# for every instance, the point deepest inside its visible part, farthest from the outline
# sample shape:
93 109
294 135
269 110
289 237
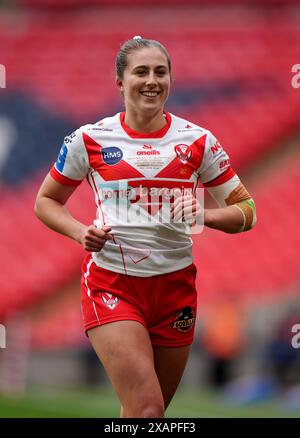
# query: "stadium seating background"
232 75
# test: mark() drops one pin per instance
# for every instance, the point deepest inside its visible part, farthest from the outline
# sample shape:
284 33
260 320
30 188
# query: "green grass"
55 403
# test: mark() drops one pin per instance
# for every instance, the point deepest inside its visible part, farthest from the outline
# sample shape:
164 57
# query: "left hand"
186 208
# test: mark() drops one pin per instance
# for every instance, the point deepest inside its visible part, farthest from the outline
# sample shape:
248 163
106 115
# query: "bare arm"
227 219
236 213
51 210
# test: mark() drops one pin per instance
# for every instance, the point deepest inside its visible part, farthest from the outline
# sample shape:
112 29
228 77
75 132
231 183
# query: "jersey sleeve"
215 168
72 164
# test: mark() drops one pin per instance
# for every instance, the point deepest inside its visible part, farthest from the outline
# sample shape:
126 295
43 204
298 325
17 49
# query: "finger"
177 193
177 211
186 214
177 203
98 232
108 237
94 241
93 248
99 238
189 210
182 207
185 200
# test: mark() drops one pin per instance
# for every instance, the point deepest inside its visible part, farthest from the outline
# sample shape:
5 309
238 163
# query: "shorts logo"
112 155
183 152
185 320
109 300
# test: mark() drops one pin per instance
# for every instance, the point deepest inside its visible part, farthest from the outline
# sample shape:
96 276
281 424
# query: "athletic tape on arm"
233 192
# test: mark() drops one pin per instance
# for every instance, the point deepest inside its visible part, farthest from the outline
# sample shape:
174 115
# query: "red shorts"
165 304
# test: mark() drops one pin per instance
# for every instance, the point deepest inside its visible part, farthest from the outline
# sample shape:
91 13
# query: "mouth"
150 93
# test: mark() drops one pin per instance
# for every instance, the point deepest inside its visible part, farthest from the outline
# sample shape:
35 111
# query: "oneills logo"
185 320
148 150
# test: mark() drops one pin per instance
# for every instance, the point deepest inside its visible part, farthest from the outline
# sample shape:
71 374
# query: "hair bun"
137 37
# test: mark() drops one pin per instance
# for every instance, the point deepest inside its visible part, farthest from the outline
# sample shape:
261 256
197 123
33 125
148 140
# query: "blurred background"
232 67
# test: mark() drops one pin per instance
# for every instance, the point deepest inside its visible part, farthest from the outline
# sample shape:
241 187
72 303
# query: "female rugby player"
138 280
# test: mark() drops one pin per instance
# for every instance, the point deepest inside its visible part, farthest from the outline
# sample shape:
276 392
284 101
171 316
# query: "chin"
151 108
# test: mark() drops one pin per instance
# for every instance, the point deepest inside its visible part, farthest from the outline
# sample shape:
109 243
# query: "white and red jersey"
118 162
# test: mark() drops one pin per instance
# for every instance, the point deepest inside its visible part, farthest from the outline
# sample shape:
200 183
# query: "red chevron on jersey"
108 172
153 194
180 170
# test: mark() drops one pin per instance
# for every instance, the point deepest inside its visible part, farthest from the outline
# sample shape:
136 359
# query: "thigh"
126 353
169 366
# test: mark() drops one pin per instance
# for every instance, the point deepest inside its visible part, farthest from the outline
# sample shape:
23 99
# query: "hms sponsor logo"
112 155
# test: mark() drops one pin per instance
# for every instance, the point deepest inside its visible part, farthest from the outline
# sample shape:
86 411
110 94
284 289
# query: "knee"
145 410
152 410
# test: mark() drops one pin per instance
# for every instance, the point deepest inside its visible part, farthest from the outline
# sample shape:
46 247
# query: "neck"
145 123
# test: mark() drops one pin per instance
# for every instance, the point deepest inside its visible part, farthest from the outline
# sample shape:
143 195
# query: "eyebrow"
146 66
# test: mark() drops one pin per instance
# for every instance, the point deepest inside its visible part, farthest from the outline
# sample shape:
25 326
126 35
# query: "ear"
119 83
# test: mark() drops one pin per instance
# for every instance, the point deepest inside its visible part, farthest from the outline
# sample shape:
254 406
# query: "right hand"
93 239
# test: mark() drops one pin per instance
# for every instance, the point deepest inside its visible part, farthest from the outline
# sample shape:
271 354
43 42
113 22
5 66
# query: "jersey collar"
155 134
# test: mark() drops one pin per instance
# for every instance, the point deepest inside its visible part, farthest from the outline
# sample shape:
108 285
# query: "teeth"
149 93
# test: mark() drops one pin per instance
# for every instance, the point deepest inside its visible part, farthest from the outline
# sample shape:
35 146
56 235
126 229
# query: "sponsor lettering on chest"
150 157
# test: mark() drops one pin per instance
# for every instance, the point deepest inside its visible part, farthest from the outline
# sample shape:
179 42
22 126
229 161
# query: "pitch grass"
102 403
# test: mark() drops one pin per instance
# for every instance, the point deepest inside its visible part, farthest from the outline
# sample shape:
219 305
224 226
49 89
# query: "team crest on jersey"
183 152
109 300
111 155
185 320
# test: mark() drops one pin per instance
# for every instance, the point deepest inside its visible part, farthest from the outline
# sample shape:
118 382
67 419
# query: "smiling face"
146 81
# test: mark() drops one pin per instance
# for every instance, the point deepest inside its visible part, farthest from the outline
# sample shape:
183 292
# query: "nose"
151 79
